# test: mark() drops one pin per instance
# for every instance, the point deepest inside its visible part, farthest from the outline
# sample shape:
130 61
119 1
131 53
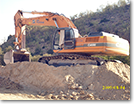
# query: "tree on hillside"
37 50
1 52
50 51
9 37
122 3
1 57
8 48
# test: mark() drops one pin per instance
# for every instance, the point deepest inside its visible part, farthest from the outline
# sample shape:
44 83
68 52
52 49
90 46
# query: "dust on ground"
38 81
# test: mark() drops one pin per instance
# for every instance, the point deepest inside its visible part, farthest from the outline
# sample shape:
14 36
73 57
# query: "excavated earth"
34 80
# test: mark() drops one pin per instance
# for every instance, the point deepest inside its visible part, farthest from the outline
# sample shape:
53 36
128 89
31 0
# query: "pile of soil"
8 84
110 81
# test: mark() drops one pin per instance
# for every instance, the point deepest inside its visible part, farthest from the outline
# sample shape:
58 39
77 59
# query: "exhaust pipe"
16 56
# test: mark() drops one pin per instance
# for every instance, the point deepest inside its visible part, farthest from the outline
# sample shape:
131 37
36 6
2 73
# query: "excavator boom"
47 19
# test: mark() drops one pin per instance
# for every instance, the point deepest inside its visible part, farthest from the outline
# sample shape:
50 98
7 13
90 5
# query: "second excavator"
67 42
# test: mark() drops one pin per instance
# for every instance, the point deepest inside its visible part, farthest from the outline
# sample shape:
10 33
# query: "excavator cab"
64 38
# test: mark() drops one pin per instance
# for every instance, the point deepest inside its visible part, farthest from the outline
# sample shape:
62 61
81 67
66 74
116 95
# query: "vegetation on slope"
113 19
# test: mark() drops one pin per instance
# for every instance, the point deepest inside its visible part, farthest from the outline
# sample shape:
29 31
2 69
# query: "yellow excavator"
67 41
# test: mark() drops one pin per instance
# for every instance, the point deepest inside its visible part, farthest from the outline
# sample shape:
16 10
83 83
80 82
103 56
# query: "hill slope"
112 19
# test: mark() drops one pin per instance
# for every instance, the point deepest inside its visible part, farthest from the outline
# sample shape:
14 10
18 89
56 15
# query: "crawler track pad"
71 59
59 62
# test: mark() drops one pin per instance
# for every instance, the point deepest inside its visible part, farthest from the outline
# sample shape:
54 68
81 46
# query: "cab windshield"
69 34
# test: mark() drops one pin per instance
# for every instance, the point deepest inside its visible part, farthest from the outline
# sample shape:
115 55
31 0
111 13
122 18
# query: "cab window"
69 34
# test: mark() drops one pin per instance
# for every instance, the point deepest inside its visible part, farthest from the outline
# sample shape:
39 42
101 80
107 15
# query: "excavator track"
71 57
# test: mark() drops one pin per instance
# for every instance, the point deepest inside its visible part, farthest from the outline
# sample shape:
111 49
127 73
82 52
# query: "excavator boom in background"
67 41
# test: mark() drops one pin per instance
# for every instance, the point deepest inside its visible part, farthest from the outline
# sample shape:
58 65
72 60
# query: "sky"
8 8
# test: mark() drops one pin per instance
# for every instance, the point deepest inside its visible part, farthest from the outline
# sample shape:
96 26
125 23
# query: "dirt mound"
8 84
110 81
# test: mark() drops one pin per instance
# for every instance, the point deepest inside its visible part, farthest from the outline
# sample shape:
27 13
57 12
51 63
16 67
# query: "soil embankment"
34 80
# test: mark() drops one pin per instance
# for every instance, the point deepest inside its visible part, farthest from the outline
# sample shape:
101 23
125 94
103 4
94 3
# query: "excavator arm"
47 19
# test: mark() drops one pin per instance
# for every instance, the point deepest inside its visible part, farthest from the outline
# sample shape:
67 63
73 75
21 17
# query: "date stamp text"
113 88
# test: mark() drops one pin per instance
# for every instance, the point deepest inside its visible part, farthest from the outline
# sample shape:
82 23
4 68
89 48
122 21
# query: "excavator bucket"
16 56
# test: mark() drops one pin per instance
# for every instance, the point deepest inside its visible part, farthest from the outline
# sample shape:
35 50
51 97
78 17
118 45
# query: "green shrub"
50 51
